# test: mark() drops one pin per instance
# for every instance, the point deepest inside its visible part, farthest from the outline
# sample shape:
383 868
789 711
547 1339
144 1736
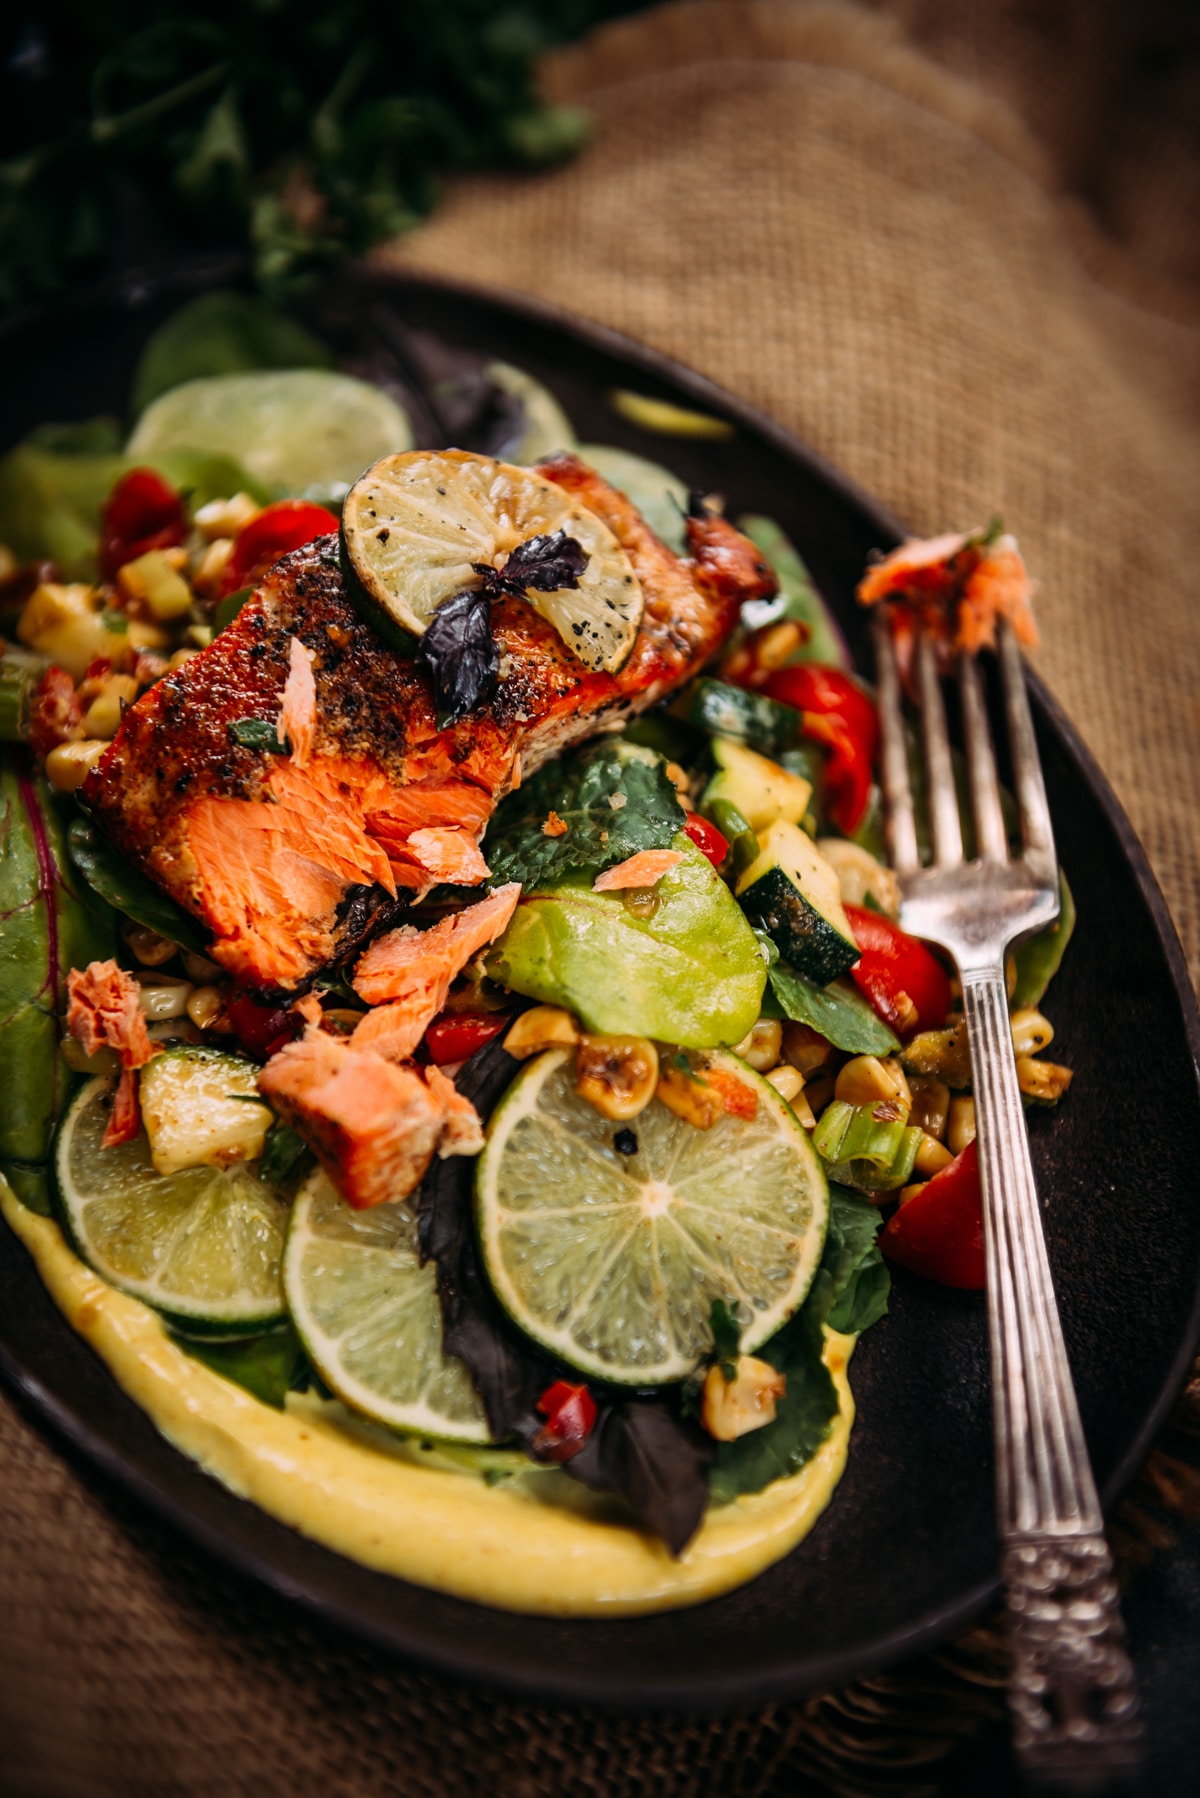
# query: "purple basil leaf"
545 564
656 1460
461 654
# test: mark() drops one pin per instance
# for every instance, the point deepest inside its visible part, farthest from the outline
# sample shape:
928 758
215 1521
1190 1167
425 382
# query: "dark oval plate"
906 1553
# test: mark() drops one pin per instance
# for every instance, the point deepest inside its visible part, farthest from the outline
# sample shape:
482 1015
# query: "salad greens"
46 931
849 1293
119 884
837 1012
613 799
798 598
690 973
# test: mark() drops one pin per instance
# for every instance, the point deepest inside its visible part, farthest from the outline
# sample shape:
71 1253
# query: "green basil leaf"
268 1366
125 887
258 733
581 790
837 1012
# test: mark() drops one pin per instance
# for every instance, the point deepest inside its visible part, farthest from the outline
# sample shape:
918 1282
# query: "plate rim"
710 1693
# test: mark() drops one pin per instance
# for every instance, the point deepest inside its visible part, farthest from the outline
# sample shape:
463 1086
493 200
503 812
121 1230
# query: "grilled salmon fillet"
292 851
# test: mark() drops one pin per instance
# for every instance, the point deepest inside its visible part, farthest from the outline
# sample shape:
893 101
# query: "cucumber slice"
199 1109
367 1312
415 528
296 431
203 1246
760 789
612 1261
791 892
751 718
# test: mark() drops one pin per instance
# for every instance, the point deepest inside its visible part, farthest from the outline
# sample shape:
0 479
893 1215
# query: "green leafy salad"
686 1088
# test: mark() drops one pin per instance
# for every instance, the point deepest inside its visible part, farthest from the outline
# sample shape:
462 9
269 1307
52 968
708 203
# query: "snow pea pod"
45 929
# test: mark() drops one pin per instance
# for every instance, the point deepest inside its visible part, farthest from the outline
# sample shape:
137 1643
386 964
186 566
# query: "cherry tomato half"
707 838
894 969
143 512
939 1231
456 1036
288 524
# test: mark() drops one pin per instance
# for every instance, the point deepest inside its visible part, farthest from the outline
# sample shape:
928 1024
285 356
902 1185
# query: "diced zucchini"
200 1108
791 892
760 789
751 718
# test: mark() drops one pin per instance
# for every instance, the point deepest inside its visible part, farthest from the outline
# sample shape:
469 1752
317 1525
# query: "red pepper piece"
261 1029
707 838
288 524
125 1119
56 714
839 716
939 1231
897 973
143 512
570 1413
456 1037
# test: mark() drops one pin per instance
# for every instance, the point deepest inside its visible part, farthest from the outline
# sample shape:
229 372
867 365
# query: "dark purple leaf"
461 654
544 564
656 1460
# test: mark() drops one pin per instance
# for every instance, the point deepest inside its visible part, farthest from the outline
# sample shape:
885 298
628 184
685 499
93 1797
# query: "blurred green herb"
307 128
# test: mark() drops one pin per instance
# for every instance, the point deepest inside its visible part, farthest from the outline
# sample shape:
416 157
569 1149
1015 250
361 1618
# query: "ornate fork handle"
1072 1688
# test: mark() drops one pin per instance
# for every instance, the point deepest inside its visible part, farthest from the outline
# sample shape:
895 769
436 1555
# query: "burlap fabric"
952 248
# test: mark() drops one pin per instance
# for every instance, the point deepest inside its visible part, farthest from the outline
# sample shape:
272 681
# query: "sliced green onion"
743 844
862 1149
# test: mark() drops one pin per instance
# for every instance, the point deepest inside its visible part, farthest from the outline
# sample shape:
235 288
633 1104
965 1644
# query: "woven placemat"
897 245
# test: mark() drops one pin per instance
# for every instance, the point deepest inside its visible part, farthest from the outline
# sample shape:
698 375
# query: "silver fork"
1071 1685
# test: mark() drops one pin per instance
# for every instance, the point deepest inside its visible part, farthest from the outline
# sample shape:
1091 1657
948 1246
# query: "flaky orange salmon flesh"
290 860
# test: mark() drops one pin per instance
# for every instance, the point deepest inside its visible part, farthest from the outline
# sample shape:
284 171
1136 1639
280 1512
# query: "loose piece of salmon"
373 1126
291 860
462 1133
406 974
104 1011
640 870
957 586
297 726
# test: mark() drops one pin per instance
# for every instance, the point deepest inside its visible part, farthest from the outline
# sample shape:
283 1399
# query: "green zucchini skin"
751 718
803 937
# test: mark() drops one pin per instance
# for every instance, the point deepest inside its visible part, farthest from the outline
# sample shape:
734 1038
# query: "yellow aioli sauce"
498 1545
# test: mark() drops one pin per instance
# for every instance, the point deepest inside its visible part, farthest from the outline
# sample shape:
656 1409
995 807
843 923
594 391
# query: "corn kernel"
69 765
761 1047
932 1156
206 576
542 1027
206 1008
147 946
930 1104
788 1082
103 716
960 1125
732 1408
162 997
805 1049
1045 1080
865 1080
1030 1031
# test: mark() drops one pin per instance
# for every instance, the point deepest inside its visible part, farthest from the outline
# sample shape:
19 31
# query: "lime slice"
414 527
612 1261
203 1245
296 430
369 1317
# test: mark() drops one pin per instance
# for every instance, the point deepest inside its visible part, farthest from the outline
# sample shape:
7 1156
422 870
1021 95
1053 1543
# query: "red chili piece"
261 1029
839 716
707 838
143 512
456 1038
939 1231
288 524
895 973
570 1413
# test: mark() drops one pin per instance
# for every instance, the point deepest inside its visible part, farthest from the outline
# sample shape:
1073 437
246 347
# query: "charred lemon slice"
418 528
